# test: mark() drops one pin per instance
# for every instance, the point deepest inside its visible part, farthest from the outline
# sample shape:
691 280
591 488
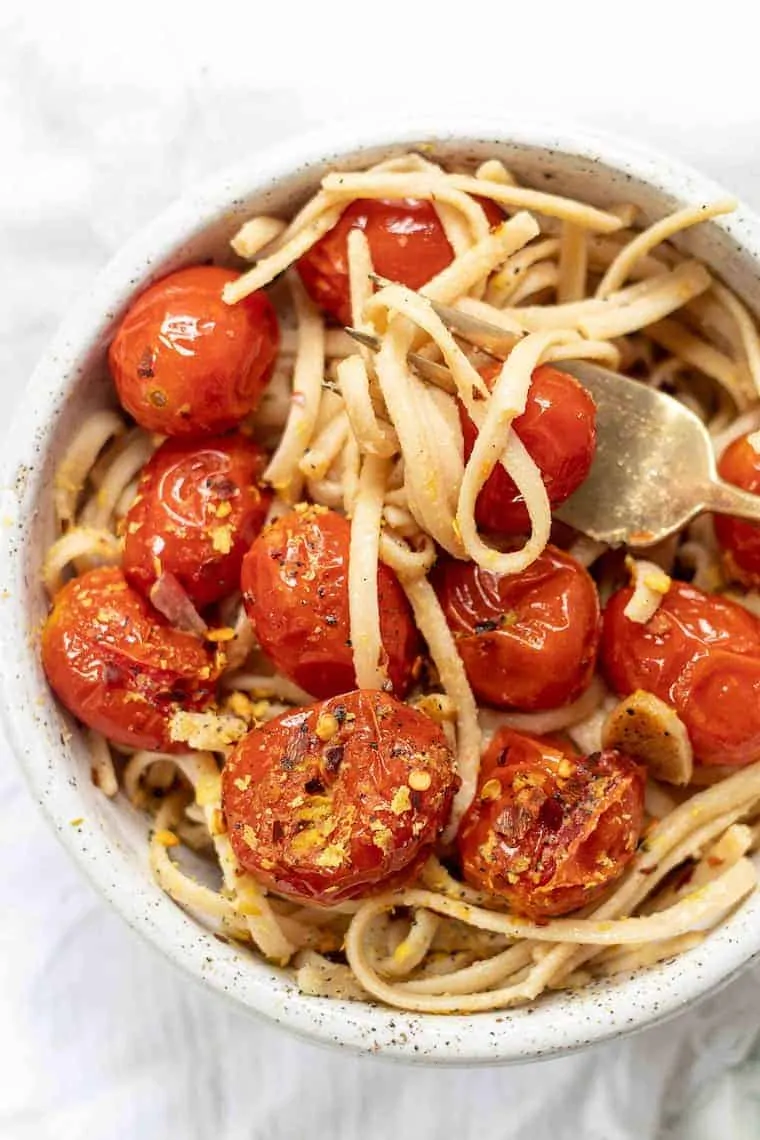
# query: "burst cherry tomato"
186 363
699 653
740 464
337 799
549 830
528 640
406 240
295 588
558 428
117 666
198 508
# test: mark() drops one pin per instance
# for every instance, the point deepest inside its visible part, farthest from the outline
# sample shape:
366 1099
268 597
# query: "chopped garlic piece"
207 731
221 538
650 585
401 801
327 726
419 780
647 729
438 706
166 838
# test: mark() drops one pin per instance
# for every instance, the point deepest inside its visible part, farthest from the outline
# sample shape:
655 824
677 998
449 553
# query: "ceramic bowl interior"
71 381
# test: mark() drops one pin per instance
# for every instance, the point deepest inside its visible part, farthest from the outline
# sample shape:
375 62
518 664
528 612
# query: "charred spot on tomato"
550 814
487 626
334 756
221 486
145 364
112 674
177 695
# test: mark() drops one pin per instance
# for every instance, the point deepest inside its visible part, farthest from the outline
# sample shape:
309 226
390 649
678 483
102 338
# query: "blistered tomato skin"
558 429
701 654
184 362
527 641
550 830
117 666
295 589
406 240
198 508
740 464
340 799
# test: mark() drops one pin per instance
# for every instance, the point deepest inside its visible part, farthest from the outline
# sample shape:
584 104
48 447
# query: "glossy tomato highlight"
550 830
334 801
529 640
406 240
186 363
117 666
558 429
198 508
295 589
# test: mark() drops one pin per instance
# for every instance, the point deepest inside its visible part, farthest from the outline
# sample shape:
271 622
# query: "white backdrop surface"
106 114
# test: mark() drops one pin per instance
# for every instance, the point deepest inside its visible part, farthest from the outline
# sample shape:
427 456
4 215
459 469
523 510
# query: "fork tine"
481 334
366 339
436 373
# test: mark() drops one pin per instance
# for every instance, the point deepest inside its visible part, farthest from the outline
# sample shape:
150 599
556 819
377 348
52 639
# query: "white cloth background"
105 115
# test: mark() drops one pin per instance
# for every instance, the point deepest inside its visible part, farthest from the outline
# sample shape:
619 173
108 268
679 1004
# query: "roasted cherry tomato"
558 428
186 363
740 464
295 588
198 508
338 799
406 240
117 666
528 640
699 653
548 829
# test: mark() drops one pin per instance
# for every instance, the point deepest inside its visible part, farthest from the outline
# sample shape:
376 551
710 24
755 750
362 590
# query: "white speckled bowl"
71 379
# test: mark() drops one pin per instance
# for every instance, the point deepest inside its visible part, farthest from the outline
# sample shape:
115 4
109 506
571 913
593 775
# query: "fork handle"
725 499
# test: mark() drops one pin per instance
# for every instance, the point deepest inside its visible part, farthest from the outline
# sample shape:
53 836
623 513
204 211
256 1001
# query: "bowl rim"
566 1024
